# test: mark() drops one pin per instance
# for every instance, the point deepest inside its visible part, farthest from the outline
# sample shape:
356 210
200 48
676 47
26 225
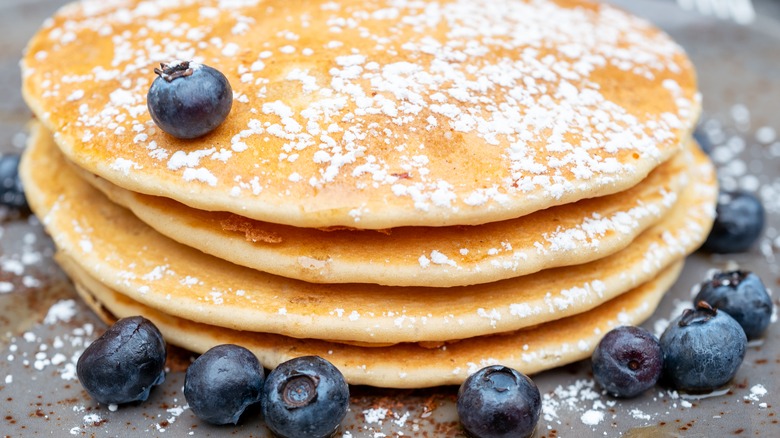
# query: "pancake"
408 365
416 256
119 250
370 114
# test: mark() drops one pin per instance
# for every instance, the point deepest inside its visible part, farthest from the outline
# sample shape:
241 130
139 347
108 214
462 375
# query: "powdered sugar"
592 418
756 392
375 415
360 120
61 311
568 397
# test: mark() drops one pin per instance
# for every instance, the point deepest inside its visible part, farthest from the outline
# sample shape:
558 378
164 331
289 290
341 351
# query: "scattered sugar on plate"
756 391
592 418
63 310
375 415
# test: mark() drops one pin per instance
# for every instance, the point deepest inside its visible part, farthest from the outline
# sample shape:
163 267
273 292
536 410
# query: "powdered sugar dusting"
515 83
61 311
592 418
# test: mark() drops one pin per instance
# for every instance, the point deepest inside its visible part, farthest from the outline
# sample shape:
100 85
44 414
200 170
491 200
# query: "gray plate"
43 325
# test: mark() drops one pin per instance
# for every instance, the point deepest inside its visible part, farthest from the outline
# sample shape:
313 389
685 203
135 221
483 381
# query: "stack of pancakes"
411 190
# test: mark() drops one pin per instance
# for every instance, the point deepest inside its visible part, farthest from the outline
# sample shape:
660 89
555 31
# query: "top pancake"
370 114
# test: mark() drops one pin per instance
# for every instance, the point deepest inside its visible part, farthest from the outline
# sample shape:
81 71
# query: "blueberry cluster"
699 351
305 397
308 397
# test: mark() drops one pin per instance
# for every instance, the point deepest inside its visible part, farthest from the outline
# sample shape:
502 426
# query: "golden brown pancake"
370 114
417 256
409 365
119 250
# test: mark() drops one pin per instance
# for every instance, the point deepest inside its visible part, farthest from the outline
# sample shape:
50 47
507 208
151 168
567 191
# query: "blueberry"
125 363
702 139
703 348
738 224
11 191
222 382
742 295
498 401
628 361
188 100
305 397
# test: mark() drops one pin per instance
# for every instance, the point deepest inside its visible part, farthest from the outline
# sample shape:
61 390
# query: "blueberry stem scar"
300 390
703 309
171 72
502 379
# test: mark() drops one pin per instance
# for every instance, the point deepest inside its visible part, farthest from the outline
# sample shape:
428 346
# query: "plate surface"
43 325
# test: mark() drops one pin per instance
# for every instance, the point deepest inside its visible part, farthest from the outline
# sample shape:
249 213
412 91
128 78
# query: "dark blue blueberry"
738 224
11 191
305 397
628 361
703 348
222 382
702 139
742 295
125 363
188 100
498 401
